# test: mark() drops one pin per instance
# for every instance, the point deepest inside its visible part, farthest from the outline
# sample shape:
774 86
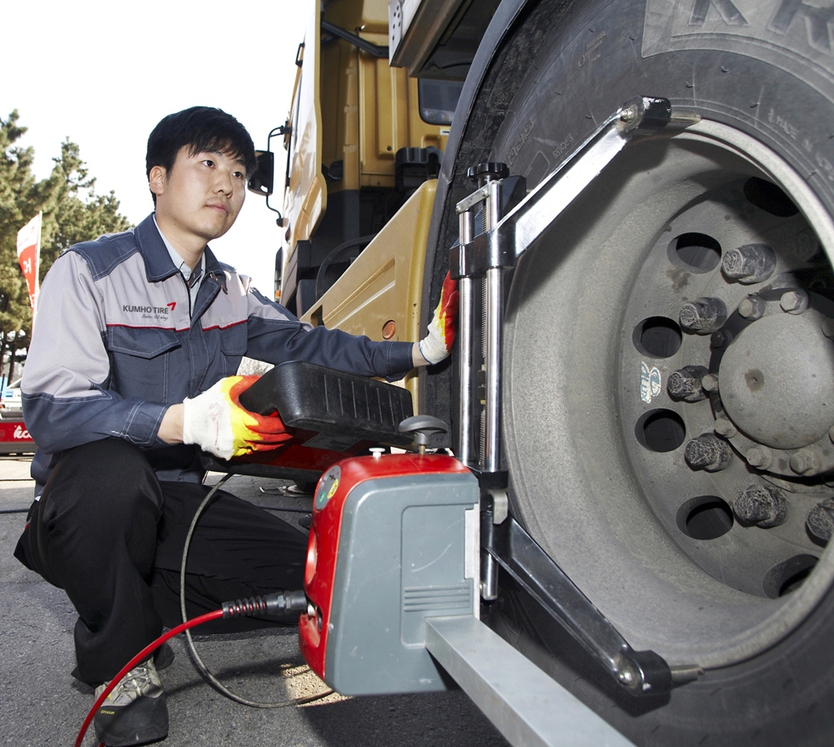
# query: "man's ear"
156 179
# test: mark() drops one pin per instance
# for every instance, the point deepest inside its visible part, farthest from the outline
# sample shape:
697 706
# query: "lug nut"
794 301
805 462
759 457
708 452
685 383
725 427
762 505
820 521
751 308
721 339
751 263
703 316
709 383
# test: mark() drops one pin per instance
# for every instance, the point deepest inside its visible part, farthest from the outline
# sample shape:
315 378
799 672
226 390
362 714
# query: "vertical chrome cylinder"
489 566
465 362
466 352
489 577
495 319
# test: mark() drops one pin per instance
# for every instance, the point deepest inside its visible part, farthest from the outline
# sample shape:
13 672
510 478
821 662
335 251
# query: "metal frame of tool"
480 261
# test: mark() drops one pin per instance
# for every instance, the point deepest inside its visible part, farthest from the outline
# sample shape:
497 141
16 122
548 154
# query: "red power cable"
141 656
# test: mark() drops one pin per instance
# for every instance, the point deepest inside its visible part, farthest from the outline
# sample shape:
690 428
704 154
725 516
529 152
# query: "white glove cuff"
206 422
433 348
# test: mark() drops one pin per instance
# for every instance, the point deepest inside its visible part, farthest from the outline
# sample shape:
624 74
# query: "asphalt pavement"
42 704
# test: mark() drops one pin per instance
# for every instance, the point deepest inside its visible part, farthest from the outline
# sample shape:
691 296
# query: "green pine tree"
72 212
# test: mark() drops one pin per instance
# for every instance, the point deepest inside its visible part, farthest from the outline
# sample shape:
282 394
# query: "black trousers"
110 534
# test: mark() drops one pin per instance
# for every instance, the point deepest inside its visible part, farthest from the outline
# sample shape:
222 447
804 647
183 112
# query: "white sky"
103 73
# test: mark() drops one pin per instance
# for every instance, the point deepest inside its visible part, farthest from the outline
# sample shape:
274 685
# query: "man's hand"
217 422
437 345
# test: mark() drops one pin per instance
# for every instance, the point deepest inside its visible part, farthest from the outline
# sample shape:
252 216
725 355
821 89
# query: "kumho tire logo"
128 309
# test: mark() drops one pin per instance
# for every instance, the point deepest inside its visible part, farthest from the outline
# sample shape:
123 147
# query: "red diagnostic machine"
394 539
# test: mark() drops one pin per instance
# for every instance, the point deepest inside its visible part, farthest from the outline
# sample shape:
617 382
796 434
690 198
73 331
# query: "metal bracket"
502 244
639 672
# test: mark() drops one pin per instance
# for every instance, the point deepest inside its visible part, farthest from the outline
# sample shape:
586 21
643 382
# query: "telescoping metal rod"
494 341
489 308
485 420
466 357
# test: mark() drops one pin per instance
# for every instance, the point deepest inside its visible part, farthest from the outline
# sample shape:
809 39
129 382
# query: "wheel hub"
784 399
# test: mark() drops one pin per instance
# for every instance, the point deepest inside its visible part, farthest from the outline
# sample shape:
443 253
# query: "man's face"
199 198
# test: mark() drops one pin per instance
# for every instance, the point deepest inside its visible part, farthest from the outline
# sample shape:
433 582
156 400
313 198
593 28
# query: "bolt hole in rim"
660 430
658 337
705 517
639 507
696 252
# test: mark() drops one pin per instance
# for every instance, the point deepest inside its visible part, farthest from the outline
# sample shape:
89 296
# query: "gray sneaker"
135 712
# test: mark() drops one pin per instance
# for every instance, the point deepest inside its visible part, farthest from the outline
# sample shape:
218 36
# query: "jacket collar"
158 264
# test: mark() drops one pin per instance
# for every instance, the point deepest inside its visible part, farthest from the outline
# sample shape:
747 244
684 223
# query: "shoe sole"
135 726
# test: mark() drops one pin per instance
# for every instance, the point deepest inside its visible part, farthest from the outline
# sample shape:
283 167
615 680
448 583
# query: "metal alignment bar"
639 672
525 705
501 245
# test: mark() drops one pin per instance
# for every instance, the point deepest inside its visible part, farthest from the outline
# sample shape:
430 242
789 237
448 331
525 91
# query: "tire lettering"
764 29
522 138
821 165
592 50
781 122
825 166
818 22
732 16
562 147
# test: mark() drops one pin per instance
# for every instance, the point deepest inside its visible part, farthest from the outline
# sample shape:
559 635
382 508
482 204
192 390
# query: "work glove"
217 422
437 345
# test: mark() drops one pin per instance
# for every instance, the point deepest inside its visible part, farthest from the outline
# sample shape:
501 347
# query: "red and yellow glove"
437 345
217 422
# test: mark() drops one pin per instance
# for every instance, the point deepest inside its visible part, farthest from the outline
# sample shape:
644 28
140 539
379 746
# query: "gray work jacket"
115 344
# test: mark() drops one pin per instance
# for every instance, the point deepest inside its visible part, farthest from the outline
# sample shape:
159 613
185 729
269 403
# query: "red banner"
28 254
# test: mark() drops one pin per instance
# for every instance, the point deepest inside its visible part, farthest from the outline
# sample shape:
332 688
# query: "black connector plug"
279 604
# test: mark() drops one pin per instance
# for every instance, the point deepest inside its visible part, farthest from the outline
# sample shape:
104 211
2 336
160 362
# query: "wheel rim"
682 512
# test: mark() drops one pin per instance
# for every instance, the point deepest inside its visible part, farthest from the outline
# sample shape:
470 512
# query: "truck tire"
696 521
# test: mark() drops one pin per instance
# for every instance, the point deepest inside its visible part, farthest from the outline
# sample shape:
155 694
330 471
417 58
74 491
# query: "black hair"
200 129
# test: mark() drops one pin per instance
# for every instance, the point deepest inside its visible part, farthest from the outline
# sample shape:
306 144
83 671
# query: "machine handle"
423 427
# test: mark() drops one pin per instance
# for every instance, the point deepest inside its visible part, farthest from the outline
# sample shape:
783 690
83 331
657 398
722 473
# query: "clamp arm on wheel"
639 672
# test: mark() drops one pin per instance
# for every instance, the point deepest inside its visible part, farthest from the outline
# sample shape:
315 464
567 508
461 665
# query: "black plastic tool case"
341 408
